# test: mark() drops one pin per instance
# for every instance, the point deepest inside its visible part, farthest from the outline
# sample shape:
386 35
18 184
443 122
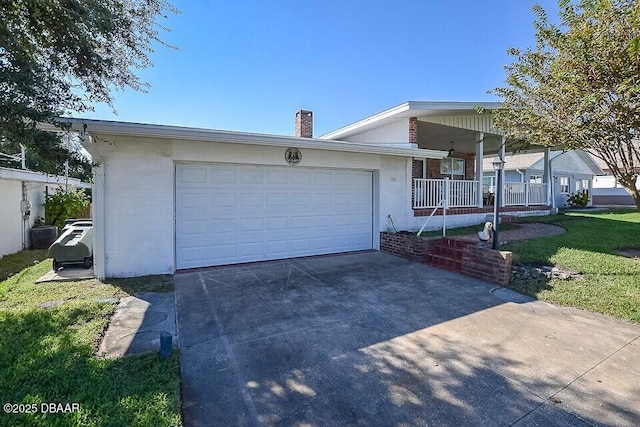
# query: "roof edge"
408 106
104 127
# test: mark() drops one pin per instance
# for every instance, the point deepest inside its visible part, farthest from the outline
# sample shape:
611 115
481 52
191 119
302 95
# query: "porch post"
479 155
502 156
546 174
591 191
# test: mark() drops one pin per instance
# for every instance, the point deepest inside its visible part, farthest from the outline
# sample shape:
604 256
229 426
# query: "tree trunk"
636 198
630 186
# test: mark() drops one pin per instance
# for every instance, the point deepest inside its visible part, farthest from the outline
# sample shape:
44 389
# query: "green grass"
14 263
611 283
47 355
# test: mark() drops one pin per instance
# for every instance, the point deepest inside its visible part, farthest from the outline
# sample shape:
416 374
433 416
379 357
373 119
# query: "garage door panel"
222 174
276 223
243 213
225 225
250 175
280 199
193 227
188 176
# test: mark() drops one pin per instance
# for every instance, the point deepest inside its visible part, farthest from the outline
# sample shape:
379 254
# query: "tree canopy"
59 57
579 87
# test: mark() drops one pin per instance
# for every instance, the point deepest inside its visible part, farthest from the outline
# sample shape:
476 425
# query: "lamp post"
498 164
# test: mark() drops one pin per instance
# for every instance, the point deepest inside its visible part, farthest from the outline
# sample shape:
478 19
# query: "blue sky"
250 65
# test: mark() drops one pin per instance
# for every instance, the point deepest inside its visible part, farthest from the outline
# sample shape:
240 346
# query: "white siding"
392 133
478 123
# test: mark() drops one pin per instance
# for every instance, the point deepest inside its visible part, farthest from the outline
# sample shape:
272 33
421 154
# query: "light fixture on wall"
451 150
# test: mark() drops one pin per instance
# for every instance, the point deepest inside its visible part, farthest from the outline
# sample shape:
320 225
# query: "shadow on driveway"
372 339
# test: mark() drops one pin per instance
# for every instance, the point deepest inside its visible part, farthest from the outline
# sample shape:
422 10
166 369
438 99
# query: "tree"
64 204
579 87
59 57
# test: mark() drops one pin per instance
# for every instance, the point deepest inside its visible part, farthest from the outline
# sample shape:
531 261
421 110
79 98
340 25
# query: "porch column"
546 174
502 156
479 154
591 191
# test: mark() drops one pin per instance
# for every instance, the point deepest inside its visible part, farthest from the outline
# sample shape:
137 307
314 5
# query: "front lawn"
47 355
611 283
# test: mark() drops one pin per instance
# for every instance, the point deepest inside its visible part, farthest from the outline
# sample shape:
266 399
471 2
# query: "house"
22 193
572 171
607 190
168 198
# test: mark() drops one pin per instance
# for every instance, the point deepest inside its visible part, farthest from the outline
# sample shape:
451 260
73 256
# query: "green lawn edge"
47 355
611 282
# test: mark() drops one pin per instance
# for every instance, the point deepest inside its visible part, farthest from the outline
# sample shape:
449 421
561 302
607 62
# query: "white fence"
461 193
524 194
456 193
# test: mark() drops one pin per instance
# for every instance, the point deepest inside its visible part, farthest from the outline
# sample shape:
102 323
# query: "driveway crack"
240 379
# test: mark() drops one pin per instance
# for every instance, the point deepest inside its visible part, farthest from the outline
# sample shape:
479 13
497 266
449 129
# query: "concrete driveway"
372 339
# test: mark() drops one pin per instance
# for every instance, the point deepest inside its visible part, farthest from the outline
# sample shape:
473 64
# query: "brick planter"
487 264
451 254
407 246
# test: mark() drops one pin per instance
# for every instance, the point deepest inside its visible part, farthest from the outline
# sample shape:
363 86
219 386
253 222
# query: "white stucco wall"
138 210
139 178
392 133
11 227
10 217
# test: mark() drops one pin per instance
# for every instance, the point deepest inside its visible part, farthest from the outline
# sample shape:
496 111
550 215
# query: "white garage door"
229 214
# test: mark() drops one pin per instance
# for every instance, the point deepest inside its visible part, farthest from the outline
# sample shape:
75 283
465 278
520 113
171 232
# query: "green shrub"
63 205
578 200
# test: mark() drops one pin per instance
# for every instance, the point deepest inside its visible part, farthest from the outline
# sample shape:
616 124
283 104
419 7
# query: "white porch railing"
524 194
428 193
456 193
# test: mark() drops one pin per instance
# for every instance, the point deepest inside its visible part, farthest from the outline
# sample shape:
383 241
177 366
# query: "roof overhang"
33 176
105 128
408 109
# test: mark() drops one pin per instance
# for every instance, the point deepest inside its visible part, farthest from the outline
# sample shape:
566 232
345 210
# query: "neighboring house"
573 172
167 198
607 190
22 195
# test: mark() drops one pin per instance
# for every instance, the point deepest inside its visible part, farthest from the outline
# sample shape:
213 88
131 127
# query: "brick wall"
469 164
406 246
433 166
413 130
304 124
487 264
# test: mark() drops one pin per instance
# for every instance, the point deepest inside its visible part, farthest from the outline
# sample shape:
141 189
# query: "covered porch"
452 193
455 183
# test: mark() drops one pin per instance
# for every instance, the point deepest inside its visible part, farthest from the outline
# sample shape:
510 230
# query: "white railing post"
446 193
527 187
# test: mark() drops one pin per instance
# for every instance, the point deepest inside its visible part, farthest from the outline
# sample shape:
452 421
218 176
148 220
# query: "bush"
578 200
63 205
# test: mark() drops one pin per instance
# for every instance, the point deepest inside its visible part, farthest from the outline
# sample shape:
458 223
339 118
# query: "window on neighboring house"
452 168
582 185
564 184
535 179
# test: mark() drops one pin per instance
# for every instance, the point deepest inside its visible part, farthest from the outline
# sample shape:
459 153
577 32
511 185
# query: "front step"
446 253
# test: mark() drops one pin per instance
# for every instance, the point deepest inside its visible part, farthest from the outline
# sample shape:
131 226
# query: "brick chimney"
304 124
